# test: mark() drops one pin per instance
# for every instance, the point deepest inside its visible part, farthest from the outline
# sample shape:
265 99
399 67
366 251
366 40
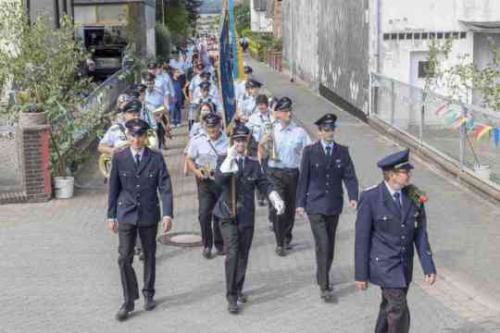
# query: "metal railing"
447 126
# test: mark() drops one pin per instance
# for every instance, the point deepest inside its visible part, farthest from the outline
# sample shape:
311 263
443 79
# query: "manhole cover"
183 239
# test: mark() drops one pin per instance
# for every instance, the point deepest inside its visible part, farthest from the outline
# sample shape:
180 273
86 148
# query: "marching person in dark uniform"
138 174
287 140
391 220
239 175
202 154
324 166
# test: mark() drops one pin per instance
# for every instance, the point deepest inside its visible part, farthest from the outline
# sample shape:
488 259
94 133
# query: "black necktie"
328 151
398 201
137 159
240 164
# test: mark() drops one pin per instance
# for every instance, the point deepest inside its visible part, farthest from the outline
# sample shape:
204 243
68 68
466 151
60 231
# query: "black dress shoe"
207 253
242 298
233 307
149 303
280 250
125 309
327 296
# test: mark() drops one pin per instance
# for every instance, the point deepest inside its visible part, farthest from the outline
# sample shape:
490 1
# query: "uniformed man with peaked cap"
288 140
325 166
391 222
138 177
239 175
203 152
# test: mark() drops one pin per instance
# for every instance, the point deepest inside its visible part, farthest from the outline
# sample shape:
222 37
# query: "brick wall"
35 163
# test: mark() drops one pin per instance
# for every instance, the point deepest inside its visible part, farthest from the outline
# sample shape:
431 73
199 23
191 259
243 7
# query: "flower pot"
64 187
29 119
483 171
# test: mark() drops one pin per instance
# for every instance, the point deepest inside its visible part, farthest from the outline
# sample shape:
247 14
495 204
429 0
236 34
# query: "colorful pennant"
443 109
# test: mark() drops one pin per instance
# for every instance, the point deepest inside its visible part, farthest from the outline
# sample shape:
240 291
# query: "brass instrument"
268 129
207 166
208 172
104 161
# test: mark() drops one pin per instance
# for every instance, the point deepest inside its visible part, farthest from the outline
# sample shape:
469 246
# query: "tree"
242 16
192 7
465 77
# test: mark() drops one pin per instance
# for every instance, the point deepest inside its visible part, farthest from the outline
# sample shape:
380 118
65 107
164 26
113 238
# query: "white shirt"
203 150
257 123
392 192
135 152
331 145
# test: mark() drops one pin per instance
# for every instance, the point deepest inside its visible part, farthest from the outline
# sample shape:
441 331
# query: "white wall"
300 38
258 20
405 16
409 16
478 10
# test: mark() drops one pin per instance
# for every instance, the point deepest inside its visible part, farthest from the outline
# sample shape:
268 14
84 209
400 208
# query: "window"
424 70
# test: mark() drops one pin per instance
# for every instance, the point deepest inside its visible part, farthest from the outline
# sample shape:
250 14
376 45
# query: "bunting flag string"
496 136
456 120
453 117
443 109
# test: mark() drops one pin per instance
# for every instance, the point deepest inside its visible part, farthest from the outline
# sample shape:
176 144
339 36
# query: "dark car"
107 59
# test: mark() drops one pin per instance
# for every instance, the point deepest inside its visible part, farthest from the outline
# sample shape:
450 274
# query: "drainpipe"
373 91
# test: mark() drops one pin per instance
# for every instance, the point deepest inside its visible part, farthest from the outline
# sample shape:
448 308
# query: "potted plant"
43 66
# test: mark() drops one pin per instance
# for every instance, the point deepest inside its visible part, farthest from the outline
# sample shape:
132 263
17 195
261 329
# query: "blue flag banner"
226 61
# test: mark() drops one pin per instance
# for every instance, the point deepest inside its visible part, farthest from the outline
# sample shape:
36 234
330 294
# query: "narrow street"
59 263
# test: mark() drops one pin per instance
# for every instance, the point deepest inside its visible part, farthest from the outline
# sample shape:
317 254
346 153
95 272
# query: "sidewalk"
59 269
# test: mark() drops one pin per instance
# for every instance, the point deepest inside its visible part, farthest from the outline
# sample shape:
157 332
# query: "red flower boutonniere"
416 195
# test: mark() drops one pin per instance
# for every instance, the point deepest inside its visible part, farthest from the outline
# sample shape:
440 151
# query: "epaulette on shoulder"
199 135
370 188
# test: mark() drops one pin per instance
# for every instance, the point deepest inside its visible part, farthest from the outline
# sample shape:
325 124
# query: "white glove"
229 165
277 202
231 152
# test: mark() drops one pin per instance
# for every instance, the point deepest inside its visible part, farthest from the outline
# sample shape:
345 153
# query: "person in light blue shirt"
202 154
261 119
153 100
289 140
246 105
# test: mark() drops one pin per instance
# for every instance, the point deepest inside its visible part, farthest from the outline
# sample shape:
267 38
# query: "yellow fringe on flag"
241 75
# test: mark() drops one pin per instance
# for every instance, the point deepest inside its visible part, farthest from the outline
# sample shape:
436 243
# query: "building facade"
259 22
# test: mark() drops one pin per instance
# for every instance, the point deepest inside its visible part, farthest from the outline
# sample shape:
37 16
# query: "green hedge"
261 43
